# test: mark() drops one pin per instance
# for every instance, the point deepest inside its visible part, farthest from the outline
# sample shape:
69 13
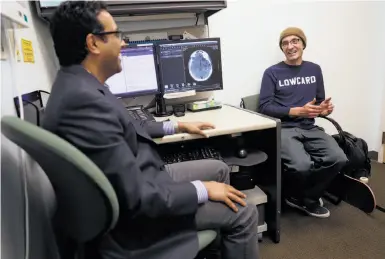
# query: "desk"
260 132
228 120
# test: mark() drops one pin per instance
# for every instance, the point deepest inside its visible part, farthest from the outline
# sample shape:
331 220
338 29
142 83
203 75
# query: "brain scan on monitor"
200 66
190 65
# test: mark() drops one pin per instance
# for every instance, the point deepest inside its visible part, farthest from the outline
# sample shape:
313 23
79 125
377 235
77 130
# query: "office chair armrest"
36 109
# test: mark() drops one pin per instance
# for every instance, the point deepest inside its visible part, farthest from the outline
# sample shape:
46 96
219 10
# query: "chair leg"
380 208
333 199
336 191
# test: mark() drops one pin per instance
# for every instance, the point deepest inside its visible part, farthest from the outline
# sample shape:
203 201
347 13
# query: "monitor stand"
160 107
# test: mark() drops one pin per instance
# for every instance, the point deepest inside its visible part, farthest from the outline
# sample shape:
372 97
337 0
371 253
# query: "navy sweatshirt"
285 86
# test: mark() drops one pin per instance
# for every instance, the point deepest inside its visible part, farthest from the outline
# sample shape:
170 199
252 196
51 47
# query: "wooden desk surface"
228 120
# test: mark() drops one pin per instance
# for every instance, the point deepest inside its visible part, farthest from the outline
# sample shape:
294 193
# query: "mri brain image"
200 65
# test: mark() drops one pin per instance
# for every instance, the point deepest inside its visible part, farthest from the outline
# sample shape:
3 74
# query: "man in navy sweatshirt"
293 91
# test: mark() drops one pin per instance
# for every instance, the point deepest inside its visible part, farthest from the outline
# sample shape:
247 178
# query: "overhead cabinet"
142 8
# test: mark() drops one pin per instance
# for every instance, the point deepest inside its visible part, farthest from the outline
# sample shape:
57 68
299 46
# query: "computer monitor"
139 72
190 65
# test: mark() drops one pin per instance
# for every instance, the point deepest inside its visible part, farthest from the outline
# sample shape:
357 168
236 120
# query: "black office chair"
250 102
33 106
87 206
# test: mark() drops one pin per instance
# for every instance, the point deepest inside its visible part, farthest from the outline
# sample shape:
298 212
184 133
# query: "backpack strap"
338 127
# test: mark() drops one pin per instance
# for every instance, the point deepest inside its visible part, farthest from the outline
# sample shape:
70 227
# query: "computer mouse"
242 153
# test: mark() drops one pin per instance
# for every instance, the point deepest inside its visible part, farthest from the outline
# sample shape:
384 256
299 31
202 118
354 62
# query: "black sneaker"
313 209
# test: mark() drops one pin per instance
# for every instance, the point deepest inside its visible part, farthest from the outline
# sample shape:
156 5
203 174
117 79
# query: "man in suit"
162 207
293 90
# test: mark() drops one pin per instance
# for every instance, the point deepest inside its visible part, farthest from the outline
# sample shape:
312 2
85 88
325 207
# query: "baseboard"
373 155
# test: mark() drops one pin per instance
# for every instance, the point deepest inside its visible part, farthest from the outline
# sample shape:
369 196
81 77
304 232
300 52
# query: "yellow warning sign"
26 46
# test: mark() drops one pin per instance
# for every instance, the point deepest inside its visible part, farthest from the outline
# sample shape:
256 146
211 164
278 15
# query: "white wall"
383 109
381 155
346 38
38 75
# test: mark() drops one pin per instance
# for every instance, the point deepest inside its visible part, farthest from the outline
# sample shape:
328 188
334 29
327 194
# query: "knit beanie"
293 31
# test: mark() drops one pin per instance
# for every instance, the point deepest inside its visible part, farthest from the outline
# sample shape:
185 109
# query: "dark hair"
70 25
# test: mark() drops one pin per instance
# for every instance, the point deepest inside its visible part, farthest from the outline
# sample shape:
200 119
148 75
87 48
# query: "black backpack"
356 150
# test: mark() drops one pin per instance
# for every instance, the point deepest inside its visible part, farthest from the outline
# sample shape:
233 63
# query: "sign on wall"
26 46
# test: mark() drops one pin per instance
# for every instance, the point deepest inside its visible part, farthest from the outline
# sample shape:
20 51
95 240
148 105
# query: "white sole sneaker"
304 209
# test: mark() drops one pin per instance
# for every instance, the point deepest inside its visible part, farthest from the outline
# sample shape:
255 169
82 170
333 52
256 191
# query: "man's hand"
309 110
327 107
225 193
195 127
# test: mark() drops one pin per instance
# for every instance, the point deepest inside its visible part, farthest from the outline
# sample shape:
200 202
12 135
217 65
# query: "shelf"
262 228
255 196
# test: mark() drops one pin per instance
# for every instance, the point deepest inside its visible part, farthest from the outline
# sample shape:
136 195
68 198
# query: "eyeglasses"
293 42
118 34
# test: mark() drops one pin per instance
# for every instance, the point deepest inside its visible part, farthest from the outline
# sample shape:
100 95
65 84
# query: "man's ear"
92 44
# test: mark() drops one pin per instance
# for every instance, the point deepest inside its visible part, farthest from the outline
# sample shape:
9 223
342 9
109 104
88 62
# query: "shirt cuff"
202 193
169 127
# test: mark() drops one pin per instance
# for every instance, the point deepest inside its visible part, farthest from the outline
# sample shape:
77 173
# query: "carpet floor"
348 232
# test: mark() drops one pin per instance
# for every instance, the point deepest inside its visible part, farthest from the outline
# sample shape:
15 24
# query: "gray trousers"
238 230
311 160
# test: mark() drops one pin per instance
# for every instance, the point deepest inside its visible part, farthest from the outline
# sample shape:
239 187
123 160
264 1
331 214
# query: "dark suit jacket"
157 214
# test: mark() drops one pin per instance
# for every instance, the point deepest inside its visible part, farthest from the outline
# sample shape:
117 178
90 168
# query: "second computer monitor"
139 72
190 65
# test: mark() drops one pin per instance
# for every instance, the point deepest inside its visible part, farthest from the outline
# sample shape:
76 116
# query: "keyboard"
191 155
140 114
